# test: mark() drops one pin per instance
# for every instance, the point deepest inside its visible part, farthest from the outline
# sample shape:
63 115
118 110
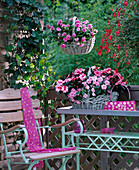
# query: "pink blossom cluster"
64 32
82 84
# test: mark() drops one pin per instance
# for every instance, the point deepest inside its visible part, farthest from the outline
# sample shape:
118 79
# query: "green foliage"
97 13
29 62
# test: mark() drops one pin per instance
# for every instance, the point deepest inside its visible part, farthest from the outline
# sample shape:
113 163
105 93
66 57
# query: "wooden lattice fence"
89 159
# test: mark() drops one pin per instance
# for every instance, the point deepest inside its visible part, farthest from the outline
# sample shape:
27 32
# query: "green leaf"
27 62
18 59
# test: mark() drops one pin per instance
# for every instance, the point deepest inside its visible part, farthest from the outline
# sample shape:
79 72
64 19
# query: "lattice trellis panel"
88 159
91 159
124 161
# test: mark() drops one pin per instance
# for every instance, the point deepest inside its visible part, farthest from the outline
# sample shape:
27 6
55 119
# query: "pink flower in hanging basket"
63 45
64 33
89 26
68 37
52 28
81 45
48 26
73 35
58 29
84 30
83 39
78 29
59 22
65 39
76 39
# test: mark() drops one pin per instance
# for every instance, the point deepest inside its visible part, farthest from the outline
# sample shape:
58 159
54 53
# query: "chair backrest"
11 107
11 111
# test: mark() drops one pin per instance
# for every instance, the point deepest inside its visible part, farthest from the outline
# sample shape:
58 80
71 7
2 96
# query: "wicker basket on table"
95 103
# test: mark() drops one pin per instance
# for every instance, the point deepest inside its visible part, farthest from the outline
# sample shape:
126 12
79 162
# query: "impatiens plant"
92 82
72 30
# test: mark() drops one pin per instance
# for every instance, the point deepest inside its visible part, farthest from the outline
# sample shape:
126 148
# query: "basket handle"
74 20
127 90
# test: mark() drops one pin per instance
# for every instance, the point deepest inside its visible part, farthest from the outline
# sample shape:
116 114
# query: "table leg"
77 155
63 138
104 156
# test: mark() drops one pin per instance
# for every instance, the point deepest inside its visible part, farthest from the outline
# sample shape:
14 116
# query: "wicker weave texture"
73 48
96 103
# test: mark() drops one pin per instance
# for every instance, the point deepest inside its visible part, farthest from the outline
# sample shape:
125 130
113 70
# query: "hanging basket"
72 48
95 103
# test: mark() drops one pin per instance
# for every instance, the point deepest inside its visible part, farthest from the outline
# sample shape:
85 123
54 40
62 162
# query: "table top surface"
70 110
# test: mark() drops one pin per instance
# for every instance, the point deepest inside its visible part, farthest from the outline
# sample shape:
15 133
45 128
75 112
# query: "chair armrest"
12 129
65 123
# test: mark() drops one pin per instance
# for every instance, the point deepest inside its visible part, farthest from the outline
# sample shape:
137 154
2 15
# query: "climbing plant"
29 63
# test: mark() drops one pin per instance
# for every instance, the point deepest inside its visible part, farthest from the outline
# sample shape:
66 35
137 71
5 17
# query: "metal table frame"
116 142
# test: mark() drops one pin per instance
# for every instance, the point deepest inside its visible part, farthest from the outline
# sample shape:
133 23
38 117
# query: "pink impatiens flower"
78 29
65 89
58 88
59 22
93 90
63 45
65 39
78 71
84 30
104 87
48 26
92 34
78 102
77 25
64 33
81 45
82 76
93 94
95 31
73 35
77 21
89 26
52 28
100 79
97 73
83 25
58 29
68 37
85 95
76 39
59 34
83 39
107 82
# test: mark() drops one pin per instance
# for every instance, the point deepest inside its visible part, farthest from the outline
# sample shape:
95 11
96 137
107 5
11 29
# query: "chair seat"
37 156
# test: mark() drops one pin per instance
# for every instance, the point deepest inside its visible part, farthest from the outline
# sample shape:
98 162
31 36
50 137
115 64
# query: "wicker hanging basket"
72 48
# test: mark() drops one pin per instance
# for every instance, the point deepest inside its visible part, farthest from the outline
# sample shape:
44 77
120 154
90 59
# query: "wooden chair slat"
53 154
36 156
16 105
11 93
17 116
